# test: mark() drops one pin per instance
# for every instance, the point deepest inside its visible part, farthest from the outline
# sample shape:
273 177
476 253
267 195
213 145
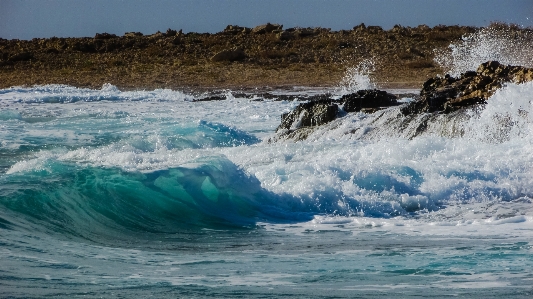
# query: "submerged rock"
447 94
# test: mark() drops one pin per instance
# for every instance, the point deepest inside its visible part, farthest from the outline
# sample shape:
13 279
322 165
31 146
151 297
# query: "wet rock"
310 114
229 55
369 99
447 94
211 98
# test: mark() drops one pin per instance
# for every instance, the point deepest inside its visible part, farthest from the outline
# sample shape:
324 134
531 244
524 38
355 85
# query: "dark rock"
171 32
471 88
104 35
374 29
229 55
285 35
359 28
176 40
310 114
211 98
369 98
51 50
267 28
22 56
86 47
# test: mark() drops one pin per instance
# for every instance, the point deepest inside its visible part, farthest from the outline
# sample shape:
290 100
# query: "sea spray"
505 44
507 116
357 77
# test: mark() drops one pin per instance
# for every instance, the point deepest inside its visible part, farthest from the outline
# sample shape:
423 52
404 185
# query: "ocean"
108 193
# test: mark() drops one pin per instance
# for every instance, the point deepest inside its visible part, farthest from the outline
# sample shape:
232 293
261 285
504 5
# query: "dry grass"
184 59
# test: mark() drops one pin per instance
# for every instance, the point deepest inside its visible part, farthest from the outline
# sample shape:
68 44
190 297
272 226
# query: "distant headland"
236 57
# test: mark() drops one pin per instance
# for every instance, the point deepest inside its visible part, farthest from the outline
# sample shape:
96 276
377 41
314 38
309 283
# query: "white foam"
357 77
57 93
337 171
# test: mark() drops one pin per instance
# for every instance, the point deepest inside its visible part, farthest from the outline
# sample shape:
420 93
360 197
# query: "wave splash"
500 43
357 78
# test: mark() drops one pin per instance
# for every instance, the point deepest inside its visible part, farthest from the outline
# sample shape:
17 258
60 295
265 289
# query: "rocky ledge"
439 95
298 123
447 94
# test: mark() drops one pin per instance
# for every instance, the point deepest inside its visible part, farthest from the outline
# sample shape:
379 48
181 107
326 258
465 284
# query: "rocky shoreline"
237 57
439 95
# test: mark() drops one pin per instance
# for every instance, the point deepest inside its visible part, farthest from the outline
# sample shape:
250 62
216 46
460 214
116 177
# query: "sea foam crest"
507 115
500 43
58 93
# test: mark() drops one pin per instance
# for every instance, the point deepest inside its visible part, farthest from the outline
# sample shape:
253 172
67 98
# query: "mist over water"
147 193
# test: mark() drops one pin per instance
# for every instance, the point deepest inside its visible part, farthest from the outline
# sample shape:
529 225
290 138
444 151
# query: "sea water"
109 193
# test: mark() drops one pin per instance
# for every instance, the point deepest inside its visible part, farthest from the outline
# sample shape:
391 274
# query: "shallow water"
108 193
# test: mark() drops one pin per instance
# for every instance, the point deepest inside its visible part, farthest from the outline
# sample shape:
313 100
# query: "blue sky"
26 19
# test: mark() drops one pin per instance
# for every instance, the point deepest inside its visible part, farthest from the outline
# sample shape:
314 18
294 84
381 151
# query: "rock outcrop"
447 94
309 114
104 35
267 28
439 95
229 55
235 29
368 100
301 121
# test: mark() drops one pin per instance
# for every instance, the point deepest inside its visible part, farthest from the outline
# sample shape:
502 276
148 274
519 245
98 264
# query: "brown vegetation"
272 57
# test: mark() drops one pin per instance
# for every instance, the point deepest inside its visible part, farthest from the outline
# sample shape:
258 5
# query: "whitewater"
110 193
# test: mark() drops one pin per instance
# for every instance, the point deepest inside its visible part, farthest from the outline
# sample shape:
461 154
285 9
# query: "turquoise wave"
94 203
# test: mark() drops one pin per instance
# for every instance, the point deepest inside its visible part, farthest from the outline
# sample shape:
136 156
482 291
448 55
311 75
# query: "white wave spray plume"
357 77
506 44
